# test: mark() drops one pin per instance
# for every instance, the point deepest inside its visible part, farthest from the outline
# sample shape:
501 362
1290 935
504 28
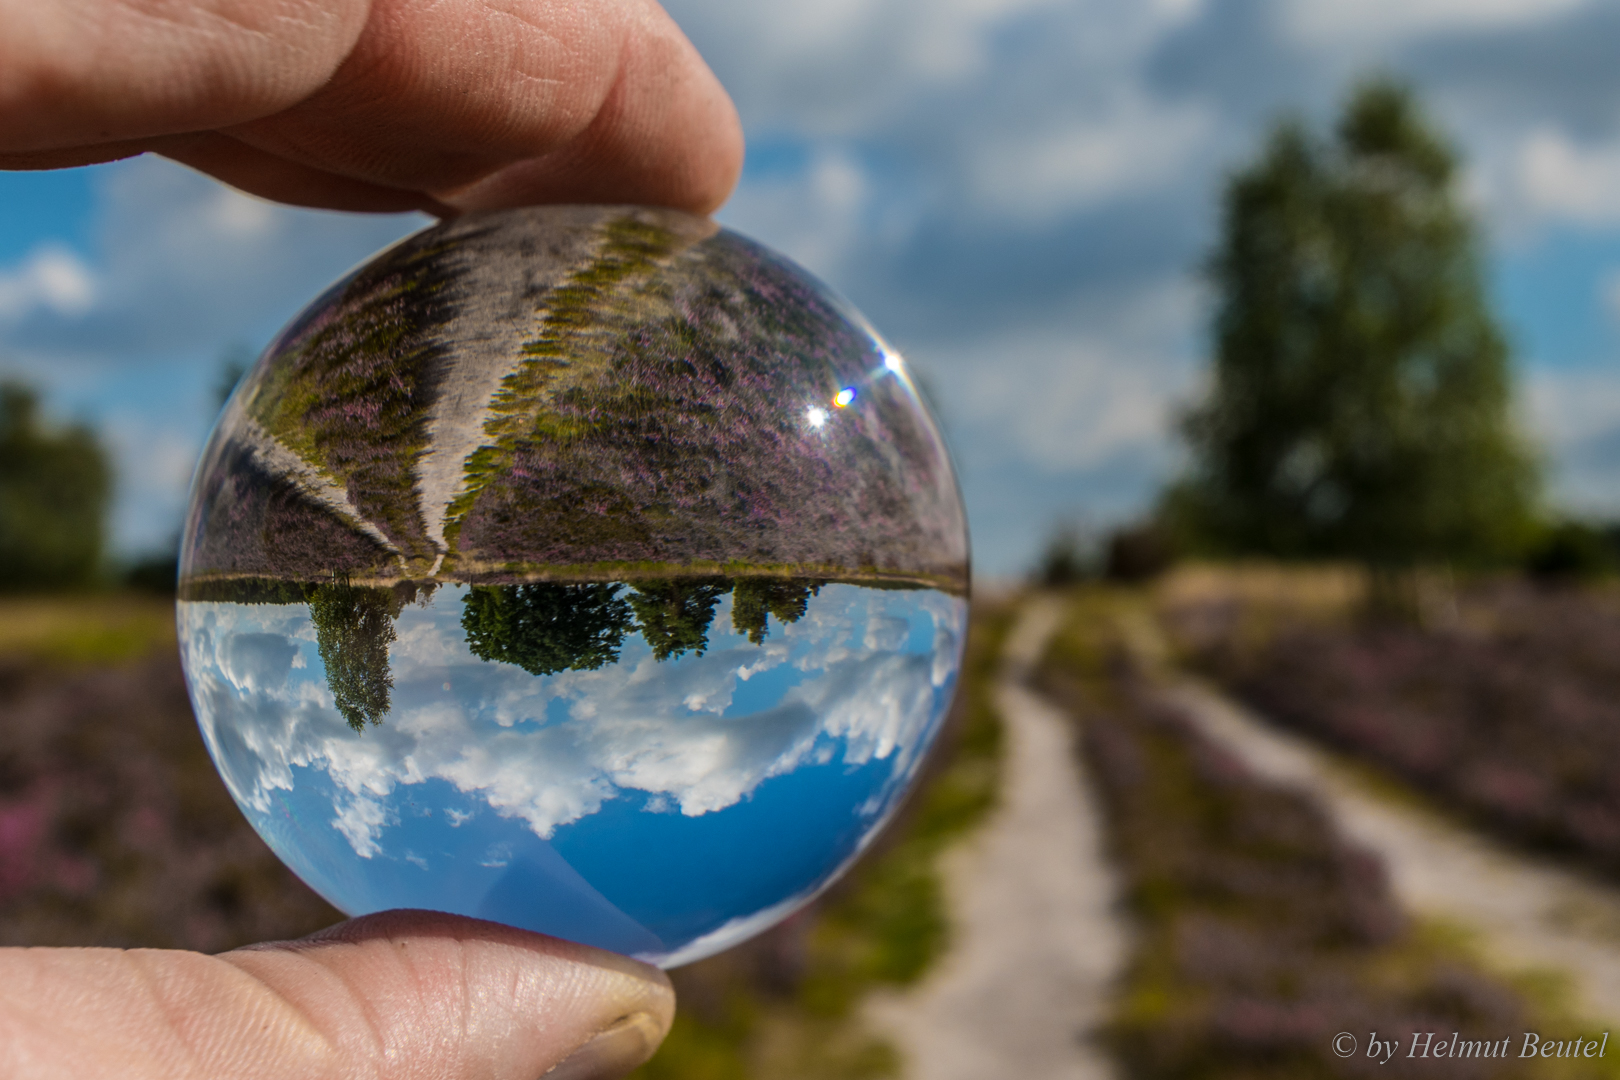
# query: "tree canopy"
753 599
674 615
353 628
55 486
1361 399
545 628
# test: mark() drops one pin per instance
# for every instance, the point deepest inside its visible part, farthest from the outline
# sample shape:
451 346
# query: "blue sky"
1017 192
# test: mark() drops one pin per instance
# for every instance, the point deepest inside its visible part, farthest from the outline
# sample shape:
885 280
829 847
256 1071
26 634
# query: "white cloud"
833 68
818 215
885 633
1574 414
1569 407
1128 147
174 240
257 663
1081 389
1562 180
1335 23
154 463
243 217
53 279
361 821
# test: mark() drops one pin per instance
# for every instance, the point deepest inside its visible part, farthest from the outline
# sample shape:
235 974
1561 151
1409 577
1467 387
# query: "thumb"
403 994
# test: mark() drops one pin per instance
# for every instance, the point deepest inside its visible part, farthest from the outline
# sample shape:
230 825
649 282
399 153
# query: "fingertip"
719 170
665 133
707 118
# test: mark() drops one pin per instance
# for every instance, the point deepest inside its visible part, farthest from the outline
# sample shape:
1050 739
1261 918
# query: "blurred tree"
753 599
156 571
353 628
55 486
1139 552
1572 550
1066 559
675 614
1361 399
234 363
545 628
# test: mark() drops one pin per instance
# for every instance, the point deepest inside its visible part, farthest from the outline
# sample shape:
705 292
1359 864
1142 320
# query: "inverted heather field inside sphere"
587 389
622 760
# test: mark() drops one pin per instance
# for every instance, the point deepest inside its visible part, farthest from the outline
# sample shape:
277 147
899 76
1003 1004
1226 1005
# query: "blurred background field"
114 827
1276 342
1260 930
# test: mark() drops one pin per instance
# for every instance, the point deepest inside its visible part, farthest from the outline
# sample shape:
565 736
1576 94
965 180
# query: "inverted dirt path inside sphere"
1036 939
497 317
277 460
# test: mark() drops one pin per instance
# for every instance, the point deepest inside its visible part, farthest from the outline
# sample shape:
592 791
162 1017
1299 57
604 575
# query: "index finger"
464 103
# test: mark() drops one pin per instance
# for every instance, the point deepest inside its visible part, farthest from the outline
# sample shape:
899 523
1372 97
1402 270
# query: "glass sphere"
589 569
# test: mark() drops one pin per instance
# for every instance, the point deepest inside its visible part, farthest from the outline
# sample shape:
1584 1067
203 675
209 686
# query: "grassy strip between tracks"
786 1005
1261 933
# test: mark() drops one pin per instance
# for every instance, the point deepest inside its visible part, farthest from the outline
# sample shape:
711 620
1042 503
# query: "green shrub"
55 484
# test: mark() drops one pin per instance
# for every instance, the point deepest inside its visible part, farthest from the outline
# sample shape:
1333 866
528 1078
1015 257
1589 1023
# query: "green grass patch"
84 631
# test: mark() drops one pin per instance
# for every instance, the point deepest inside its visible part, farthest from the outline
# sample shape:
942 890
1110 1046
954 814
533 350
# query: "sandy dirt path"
315 485
1037 939
487 341
1529 912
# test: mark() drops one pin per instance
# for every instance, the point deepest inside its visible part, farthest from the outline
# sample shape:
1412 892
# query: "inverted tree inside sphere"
590 569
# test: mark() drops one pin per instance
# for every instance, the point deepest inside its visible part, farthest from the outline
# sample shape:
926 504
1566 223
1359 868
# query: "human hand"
384 105
403 994
393 105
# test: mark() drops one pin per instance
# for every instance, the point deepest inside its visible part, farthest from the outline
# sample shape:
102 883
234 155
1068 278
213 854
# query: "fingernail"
611 1052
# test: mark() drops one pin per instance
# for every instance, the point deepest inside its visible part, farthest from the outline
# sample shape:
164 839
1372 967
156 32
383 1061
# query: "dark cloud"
1233 53
1562 70
949 279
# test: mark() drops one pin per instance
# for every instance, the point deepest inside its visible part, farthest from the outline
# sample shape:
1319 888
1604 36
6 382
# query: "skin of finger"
401 995
79 73
667 134
270 177
444 97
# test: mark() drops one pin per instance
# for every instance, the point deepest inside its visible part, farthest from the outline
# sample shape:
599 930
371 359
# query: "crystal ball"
593 570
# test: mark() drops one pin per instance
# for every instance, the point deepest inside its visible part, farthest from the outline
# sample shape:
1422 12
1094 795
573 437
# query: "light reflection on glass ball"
589 569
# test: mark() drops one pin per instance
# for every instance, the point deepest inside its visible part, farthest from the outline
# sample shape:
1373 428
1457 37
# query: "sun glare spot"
844 396
817 416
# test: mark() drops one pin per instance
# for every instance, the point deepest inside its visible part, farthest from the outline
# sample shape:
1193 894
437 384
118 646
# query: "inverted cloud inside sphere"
516 742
